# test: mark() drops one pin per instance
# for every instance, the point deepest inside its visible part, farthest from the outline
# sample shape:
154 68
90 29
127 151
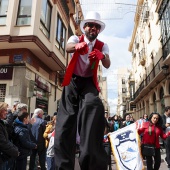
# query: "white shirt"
83 68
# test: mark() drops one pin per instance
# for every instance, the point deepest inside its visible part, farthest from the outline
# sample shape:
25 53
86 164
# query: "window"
61 35
123 81
24 12
46 11
2 92
3 11
123 90
164 14
124 99
149 33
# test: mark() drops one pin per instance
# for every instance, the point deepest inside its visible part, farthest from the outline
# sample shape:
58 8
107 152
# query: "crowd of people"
151 128
22 136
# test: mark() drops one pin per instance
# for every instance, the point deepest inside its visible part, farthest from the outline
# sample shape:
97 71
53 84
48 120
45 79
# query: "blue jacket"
22 139
37 131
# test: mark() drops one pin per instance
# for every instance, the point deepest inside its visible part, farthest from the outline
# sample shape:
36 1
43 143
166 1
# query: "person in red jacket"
80 106
152 130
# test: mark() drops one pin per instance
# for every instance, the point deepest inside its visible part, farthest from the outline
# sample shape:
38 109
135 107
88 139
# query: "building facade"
33 59
150 57
123 74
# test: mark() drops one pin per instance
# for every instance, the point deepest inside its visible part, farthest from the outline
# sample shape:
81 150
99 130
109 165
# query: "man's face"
91 30
168 112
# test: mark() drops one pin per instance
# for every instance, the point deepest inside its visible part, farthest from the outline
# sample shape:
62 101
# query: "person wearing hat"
80 107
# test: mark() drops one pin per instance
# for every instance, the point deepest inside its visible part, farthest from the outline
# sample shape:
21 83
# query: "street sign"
18 58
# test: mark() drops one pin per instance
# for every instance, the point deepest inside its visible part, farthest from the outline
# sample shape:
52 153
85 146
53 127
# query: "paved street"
163 164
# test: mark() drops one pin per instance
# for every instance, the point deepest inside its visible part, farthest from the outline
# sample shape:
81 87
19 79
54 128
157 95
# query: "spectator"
166 128
106 143
126 121
49 129
22 140
37 131
152 130
116 123
55 114
47 118
14 107
8 149
21 107
50 147
145 118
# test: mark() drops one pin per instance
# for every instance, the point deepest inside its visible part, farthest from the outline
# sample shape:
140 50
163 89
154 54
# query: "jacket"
8 149
22 139
37 131
164 122
152 139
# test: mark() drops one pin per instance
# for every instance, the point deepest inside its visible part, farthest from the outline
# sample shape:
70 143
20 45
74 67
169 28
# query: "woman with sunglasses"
80 106
152 130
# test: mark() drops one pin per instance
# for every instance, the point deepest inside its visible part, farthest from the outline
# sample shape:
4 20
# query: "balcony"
152 79
142 57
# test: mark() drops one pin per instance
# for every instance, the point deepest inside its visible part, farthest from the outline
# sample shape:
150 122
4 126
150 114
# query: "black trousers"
157 161
107 148
167 147
80 108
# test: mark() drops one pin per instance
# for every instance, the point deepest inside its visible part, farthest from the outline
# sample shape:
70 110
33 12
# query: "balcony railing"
149 78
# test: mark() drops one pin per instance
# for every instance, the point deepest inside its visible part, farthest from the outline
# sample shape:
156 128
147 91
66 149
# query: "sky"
118 16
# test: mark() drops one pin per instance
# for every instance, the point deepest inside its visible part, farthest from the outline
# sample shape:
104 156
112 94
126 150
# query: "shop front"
42 91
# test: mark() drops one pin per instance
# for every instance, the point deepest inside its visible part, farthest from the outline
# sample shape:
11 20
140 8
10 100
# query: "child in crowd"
49 136
22 140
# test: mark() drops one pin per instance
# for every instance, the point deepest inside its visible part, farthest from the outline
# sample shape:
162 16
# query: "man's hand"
82 48
167 124
96 54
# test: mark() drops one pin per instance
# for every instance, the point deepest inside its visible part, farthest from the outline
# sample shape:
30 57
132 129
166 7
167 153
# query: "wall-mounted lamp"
165 70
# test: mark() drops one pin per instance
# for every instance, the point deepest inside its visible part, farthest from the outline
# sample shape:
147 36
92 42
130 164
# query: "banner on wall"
125 144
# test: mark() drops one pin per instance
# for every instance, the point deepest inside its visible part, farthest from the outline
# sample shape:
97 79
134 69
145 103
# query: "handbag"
149 149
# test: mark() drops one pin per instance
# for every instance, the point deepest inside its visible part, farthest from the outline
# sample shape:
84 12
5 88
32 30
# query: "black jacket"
22 139
163 122
7 149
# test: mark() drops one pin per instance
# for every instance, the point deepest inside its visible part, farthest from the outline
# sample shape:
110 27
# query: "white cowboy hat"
92 17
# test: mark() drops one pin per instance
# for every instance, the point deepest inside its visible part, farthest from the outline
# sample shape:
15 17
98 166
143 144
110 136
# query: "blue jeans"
50 163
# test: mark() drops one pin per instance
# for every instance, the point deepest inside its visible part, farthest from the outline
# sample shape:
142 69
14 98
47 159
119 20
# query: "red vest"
69 71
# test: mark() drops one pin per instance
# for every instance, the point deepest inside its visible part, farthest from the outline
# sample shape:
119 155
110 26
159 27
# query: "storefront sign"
6 73
43 84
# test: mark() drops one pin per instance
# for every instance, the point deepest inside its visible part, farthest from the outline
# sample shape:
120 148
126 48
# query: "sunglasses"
91 25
